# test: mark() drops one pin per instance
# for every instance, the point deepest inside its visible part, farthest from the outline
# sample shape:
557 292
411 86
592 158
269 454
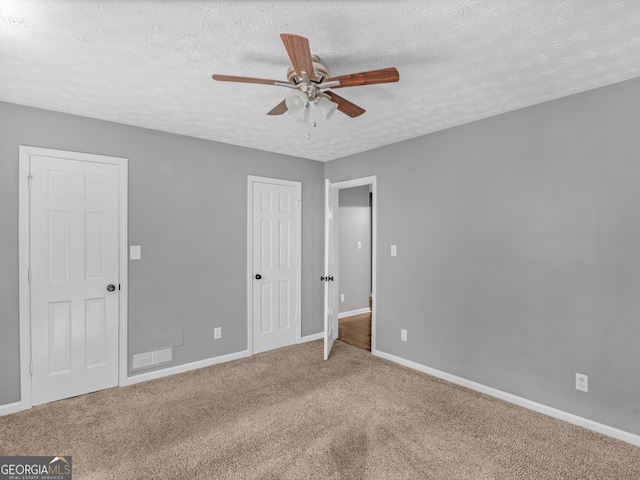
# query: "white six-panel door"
74 258
275 263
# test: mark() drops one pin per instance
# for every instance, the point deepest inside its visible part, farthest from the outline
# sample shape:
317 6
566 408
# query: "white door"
330 270
275 263
74 260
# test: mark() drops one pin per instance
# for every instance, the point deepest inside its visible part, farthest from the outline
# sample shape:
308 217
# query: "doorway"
332 258
73 271
354 260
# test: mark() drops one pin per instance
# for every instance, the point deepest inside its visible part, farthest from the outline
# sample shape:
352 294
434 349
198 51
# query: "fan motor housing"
320 72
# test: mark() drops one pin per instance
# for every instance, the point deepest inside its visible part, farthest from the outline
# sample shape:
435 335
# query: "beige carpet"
287 414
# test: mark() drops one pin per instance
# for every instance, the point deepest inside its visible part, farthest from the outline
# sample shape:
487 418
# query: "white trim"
24 258
516 400
165 372
372 181
351 313
123 215
313 337
298 186
10 408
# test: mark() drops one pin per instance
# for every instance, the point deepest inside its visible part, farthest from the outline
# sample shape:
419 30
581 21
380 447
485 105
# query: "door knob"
258 276
111 287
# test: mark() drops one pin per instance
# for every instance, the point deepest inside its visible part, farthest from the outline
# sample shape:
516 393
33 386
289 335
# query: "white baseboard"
351 313
10 408
311 338
523 402
143 377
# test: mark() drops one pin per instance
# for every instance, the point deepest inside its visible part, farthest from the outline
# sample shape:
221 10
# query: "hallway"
356 330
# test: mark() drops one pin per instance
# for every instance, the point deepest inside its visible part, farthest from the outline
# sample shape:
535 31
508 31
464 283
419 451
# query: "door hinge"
30 181
29 275
30 368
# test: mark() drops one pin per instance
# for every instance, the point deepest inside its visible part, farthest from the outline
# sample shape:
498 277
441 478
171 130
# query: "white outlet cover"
582 382
217 333
394 250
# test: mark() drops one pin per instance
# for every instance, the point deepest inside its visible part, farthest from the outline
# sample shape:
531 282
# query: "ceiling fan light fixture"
326 107
297 102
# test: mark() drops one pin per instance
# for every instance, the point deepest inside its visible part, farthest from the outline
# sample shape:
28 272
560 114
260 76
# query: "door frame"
359 182
24 259
289 183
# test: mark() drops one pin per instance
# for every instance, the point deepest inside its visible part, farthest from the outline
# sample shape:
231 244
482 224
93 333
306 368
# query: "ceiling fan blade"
278 109
345 106
299 53
234 78
384 75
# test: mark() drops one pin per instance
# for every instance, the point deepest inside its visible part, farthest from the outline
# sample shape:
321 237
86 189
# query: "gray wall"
518 251
354 225
518 244
188 210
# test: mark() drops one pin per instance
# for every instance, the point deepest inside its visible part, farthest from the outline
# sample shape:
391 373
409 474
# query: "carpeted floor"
287 414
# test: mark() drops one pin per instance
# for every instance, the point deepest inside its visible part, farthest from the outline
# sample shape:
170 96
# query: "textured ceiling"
149 63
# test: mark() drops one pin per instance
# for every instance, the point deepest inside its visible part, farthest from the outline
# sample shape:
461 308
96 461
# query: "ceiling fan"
313 84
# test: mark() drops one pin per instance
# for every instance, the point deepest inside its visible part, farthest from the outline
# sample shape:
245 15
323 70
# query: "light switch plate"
135 252
394 250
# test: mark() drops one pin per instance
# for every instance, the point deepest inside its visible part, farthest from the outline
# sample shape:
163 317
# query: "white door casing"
274 265
330 277
331 258
72 245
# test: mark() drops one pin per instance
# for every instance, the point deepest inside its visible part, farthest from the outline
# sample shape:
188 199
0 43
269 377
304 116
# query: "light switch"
394 250
135 252
359 245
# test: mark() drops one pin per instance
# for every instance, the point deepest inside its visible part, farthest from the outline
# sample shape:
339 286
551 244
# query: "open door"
330 271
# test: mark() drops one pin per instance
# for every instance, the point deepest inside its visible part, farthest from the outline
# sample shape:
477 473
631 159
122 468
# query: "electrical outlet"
394 250
342 297
403 335
217 333
179 340
582 382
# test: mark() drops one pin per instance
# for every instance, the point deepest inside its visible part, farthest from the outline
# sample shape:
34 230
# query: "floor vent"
151 359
